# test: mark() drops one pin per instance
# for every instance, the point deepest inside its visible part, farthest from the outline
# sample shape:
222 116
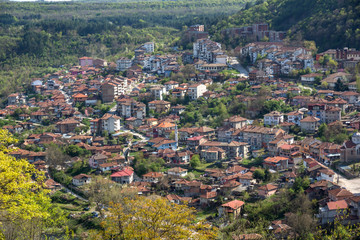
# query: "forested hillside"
330 23
37 37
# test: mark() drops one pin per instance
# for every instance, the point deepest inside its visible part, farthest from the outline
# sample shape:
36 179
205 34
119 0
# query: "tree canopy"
153 218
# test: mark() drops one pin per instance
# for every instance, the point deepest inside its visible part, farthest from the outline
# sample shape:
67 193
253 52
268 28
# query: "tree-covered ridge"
330 23
36 38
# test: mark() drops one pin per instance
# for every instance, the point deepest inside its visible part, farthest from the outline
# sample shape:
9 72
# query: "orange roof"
153 175
275 159
79 95
268 187
342 204
165 125
235 204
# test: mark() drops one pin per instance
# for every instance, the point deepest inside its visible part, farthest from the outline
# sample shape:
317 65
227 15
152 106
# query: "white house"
81 179
125 176
326 174
295 117
273 118
310 78
177 172
158 92
149 47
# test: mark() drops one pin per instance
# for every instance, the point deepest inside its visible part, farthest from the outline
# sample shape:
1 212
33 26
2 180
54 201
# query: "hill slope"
330 23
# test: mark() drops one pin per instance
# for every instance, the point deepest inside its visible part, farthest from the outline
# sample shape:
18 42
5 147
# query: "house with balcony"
295 117
274 118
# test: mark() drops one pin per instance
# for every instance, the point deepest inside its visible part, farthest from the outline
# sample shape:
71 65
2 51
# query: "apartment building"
128 107
122 64
159 106
256 137
274 118
196 90
112 89
110 123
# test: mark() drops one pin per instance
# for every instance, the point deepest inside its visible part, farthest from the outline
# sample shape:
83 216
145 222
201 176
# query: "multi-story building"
232 149
207 50
123 64
295 117
236 122
350 151
158 92
274 118
110 123
149 47
326 114
256 137
128 107
196 90
159 106
66 126
309 124
112 89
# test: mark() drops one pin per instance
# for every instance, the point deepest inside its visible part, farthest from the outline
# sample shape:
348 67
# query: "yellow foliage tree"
149 218
23 200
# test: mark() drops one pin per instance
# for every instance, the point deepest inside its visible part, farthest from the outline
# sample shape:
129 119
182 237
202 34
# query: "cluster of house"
69 98
154 64
346 57
274 58
208 56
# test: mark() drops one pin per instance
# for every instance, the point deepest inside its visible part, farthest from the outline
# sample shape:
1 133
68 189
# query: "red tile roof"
342 204
235 204
123 173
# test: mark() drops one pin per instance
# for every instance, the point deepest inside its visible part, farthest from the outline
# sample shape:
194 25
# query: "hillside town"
205 128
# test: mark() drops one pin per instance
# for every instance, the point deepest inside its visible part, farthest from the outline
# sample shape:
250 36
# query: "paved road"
234 63
126 131
353 185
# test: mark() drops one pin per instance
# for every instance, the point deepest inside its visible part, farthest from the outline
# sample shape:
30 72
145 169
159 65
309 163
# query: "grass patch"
203 166
204 214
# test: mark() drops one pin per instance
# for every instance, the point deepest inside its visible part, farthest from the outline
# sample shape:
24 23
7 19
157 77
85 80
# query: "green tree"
339 86
195 161
259 174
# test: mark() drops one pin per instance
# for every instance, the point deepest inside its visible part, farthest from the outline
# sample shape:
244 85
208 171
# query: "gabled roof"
177 170
123 173
268 187
340 192
342 204
81 176
275 159
153 175
235 204
310 119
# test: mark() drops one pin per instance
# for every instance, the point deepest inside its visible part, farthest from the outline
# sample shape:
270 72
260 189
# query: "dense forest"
330 23
37 38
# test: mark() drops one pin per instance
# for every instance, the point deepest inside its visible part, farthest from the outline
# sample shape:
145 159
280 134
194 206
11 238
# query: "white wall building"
123 63
110 123
196 90
273 118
